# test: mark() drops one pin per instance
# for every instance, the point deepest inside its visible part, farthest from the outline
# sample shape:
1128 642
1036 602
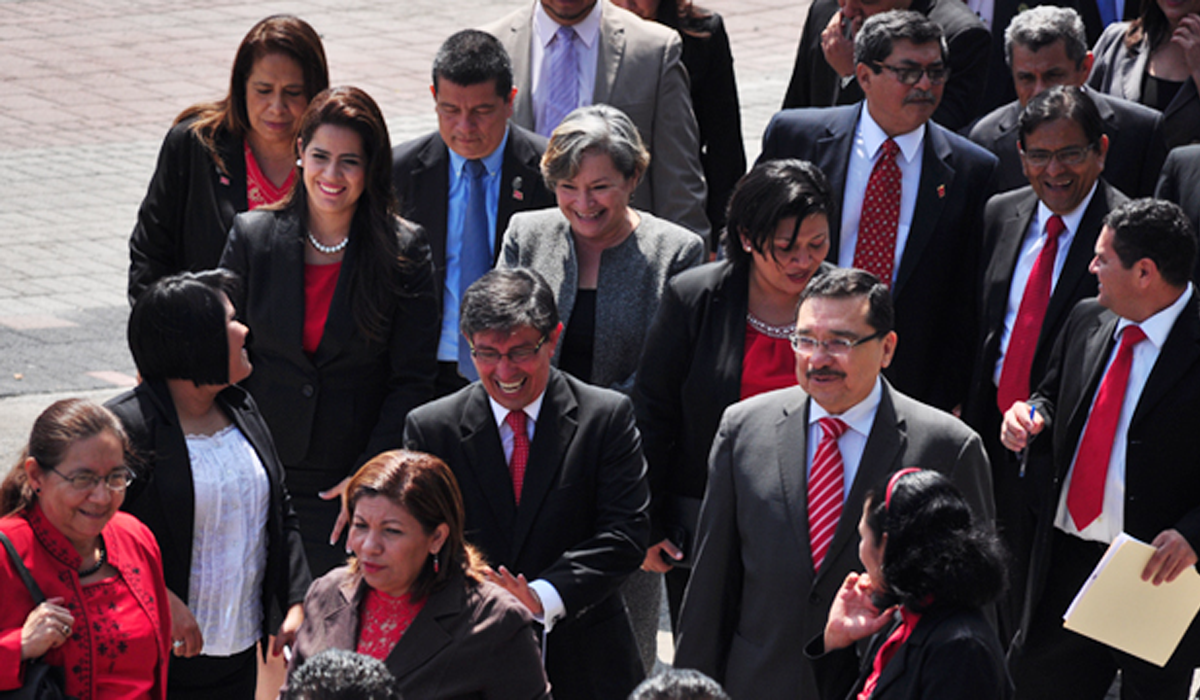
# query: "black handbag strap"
19 565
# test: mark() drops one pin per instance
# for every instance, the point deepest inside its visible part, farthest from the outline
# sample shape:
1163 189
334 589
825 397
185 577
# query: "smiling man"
553 482
464 181
787 478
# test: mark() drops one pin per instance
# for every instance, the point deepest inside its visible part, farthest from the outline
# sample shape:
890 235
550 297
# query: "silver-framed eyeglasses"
1069 156
837 347
911 75
117 480
489 357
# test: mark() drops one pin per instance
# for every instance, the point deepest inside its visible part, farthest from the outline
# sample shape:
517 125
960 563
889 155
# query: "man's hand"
518 586
654 561
1019 427
343 517
1172 554
837 43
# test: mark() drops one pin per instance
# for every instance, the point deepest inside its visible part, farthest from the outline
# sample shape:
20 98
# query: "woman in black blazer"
711 319
225 157
930 568
210 487
339 292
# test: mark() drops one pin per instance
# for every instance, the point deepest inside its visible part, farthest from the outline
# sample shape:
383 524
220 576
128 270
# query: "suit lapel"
833 153
484 457
1179 353
426 636
172 476
555 429
791 434
431 186
610 53
517 181
1004 259
1075 267
287 272
937 177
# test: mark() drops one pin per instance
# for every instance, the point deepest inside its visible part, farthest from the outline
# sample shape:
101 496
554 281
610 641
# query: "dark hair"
679 684
375 249
1062 102
769 193
177 329
471 57
683 16
602 129
506 299
425 487
1039 27
338 674
1158 230
936 554
63 424
278 34
879 33
1151 24
846 282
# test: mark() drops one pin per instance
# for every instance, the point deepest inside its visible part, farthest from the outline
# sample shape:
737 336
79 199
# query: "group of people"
496 359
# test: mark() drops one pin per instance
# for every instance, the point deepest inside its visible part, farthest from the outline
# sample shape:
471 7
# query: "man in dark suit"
787 479
932 258
553 482
1046 47
473 95
1179 182
1121 398
1038 241
824 74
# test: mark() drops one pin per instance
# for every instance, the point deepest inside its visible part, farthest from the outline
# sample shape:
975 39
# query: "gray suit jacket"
753 600
633 276
638 71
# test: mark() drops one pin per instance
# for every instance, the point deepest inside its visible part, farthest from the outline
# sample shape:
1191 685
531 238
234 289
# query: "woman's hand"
287 631
1187 36
47 627
518 586
186 640
343 517
853 616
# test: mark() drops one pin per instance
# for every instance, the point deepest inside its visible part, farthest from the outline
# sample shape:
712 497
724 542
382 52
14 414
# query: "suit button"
814 598
307 390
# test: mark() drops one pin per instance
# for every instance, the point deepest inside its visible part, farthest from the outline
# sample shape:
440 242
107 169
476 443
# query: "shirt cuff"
553 609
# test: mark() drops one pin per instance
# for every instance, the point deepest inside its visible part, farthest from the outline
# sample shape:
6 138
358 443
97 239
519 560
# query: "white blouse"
229 540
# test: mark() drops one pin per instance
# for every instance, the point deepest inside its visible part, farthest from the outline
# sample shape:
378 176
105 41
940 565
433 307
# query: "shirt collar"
532 409
873 137
588 29
493 161
1159 326
859 417
1070 220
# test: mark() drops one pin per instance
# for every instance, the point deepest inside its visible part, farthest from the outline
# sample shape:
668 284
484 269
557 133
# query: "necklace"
328 249
780 332
100 561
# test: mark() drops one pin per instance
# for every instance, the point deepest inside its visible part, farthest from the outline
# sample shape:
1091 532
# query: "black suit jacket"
815 84
330 412
421 179
162 496
1180 183
935 286
1162 464
1135 146
581 525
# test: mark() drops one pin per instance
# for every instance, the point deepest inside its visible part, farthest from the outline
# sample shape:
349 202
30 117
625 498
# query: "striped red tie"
520 454
825 490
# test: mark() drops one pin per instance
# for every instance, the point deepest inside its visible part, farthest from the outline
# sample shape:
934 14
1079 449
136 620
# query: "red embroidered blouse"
383 621
260 191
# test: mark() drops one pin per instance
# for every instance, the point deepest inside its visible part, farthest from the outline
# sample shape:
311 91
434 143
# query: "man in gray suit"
764 579
620 60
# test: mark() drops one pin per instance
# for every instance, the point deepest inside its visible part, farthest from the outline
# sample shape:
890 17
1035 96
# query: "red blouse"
140 619
383 621
319 283
260 191
768 363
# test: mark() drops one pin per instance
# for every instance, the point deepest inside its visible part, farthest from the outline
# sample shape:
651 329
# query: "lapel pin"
516 187
224 181
941 191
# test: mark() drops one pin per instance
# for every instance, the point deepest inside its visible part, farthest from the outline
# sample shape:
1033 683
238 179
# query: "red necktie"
875 250
520 453
825 490
1085 499
1018 360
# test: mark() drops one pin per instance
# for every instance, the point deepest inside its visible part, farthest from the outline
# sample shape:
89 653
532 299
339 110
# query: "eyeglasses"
911 75
118 480
489 357
1069 156
836 347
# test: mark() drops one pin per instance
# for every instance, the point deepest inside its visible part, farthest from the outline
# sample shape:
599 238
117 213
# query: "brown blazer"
471 640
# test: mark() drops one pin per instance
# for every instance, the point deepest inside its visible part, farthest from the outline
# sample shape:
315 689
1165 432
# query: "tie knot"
1055 227
476 169
889 149
516 421
832 427
566 34
1132 335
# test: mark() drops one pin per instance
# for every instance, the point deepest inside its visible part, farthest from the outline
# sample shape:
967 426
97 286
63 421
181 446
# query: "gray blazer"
1120 71
632 278
639 71
753 600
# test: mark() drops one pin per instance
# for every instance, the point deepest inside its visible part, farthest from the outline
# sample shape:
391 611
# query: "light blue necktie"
475 256
560 75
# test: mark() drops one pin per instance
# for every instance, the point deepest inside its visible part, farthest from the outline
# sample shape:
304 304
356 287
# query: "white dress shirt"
859 418
1112 518
587 49
868 140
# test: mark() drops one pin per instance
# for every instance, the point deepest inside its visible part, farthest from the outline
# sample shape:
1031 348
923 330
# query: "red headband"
887 499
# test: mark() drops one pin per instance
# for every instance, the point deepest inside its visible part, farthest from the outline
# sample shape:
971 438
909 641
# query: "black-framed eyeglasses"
837 347
118 480
911 75
1069 156
489 357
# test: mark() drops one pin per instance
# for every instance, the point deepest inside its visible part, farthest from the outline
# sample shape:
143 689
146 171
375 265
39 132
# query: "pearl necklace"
328 249
100 561
778 332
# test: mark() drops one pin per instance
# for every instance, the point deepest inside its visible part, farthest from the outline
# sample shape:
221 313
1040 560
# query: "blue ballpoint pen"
1025 452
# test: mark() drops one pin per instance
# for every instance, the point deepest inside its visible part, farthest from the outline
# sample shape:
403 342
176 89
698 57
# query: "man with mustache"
787 478
910 195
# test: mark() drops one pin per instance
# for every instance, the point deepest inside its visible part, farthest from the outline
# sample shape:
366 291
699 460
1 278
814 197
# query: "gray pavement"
89 88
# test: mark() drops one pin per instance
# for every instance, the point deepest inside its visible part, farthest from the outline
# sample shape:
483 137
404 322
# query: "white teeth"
330 190
510 388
